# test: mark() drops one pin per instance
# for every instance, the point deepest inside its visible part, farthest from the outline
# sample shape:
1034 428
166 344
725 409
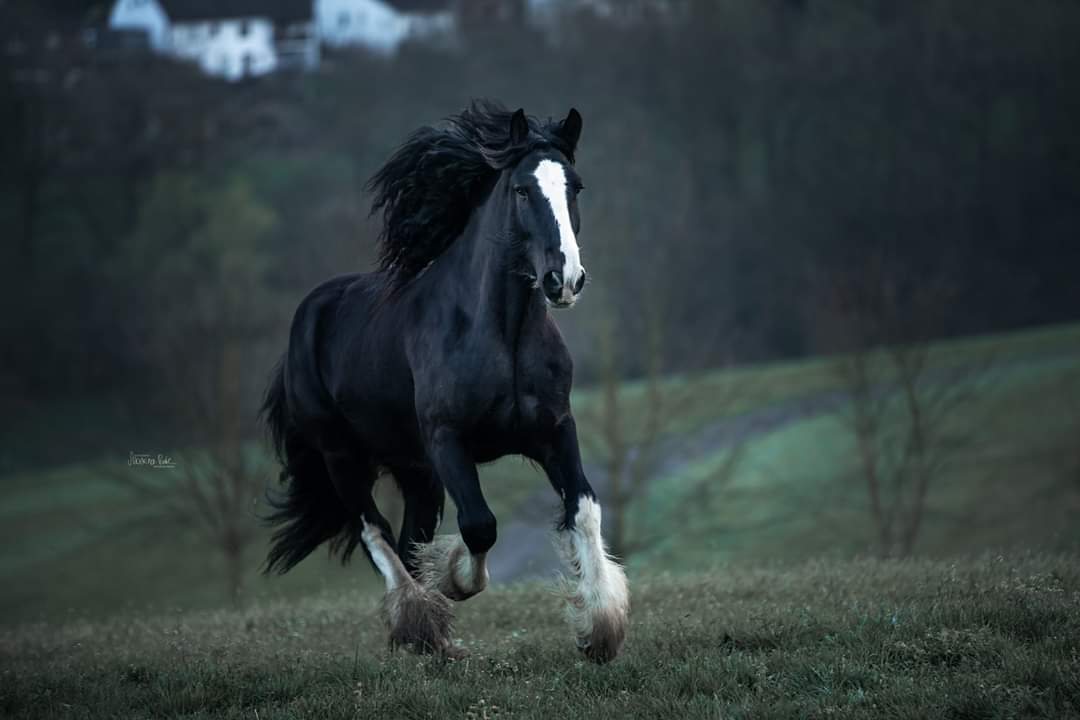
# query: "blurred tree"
206 304
907 415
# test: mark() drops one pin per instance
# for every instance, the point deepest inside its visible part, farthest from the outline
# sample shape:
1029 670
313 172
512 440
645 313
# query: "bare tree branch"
906 415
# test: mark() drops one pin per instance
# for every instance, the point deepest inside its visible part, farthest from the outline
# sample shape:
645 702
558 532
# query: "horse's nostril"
580 283
553 282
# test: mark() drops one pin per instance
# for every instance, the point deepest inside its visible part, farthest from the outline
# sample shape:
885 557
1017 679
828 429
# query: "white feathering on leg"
417 617
446 565
387 562
598 600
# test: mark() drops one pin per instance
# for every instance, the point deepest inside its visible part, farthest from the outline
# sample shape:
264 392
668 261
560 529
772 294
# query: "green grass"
974 638
75 546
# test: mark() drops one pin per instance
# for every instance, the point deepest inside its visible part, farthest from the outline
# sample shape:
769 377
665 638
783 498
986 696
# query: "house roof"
419 5
286 11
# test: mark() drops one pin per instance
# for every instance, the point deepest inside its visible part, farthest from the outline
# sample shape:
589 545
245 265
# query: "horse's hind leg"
424 497
418 618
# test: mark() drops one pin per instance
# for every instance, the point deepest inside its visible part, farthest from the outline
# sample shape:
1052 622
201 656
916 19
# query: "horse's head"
544 188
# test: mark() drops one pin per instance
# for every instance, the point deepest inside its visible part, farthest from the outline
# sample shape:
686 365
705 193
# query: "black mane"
429 187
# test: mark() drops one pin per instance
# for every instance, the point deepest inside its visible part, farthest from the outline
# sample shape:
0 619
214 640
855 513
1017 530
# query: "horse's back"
308 373
348 379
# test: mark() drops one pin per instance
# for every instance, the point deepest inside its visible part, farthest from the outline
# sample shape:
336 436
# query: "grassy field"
75 546
991 637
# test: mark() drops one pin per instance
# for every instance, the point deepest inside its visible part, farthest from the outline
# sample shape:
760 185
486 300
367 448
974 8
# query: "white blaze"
552 180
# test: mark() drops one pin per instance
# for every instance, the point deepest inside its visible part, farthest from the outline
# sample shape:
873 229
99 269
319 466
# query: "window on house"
245 28
213 29
343 20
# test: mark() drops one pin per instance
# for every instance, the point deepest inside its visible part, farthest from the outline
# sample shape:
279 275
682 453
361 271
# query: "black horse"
446 357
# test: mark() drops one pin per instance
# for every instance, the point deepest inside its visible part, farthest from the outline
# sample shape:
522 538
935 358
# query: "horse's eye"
577 187
522 191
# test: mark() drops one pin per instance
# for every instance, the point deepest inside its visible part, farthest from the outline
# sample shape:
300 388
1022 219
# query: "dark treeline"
734 153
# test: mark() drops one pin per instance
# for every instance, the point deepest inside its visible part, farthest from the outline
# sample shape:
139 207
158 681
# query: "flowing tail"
307 510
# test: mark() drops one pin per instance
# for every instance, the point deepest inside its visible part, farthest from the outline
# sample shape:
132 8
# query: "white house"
380 25
548 14
232 39
231 48
145 15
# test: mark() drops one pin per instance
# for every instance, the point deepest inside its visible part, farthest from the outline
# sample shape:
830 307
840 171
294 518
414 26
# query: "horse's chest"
542 386
527 407
501 396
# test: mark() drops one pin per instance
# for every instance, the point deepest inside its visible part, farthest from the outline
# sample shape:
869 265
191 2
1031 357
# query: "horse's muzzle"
560 293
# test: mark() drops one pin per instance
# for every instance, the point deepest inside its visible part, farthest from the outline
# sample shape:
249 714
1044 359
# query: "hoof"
454 652
420 620
604 642
447 567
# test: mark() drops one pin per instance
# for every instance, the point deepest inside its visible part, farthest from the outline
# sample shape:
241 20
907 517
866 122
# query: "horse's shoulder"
554 348
545 368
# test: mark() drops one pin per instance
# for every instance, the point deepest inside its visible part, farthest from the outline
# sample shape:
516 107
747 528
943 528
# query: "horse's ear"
519 127
570 128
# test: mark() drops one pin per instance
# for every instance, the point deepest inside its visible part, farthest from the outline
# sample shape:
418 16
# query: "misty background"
833 250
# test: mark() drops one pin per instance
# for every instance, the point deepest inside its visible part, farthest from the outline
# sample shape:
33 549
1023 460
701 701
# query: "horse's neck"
506 298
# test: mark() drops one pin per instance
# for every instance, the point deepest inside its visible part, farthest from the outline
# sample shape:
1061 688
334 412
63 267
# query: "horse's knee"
478 531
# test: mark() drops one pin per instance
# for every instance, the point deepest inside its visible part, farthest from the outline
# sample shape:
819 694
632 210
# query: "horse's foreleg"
417 617
456 565
598 600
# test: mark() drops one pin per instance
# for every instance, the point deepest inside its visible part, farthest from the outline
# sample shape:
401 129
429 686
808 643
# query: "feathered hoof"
419 619
595 590
447 567
604 640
